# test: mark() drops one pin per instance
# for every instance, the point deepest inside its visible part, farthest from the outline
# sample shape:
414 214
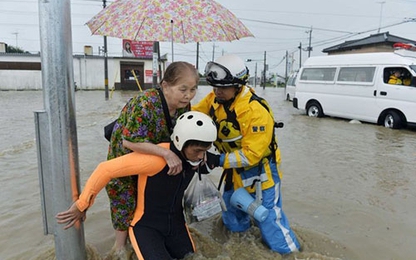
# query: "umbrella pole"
105 62
172 52
171 30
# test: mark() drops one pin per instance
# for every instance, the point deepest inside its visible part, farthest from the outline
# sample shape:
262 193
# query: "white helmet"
227 71
193 125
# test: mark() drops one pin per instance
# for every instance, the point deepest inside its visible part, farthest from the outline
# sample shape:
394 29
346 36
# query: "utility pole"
264 71
300 54
287 66
16 34
255 75
105 62
197 56
310 40
381 15
57 130
213 51
155 62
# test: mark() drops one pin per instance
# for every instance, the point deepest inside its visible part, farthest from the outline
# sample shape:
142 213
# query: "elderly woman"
146 120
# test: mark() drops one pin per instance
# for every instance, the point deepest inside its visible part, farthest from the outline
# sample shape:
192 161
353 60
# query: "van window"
356 74
318 74
397 76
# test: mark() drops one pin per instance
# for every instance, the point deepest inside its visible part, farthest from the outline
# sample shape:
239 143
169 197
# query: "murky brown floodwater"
348 189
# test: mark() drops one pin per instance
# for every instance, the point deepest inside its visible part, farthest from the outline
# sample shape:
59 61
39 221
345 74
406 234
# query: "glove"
213 160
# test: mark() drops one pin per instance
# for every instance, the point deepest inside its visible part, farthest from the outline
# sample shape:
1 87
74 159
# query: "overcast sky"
278 26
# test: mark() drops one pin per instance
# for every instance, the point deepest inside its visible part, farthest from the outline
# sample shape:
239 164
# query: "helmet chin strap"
194 163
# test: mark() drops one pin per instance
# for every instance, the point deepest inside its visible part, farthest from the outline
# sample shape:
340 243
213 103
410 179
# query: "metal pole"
171 22
287 66
255 75
300 55
59 101
105 62
159 63
310 42
155 63
197 56
16 34
105 68
213 51
264 71
381 15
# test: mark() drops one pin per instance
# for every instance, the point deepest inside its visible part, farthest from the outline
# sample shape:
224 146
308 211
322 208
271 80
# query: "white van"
290 86
356 86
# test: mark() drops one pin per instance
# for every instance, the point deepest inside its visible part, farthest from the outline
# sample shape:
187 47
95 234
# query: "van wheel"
314 109
393 120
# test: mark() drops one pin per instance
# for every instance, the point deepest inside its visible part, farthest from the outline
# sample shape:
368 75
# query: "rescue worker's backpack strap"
273 144
228 174
212 115
231 117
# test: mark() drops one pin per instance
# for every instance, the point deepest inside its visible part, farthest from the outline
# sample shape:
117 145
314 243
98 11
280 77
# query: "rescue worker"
407 81
248 150
158 230
395 78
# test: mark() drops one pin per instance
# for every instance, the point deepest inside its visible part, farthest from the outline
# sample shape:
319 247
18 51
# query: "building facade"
22 71
381 42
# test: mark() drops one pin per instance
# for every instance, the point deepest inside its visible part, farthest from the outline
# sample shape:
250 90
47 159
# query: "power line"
315 13
296 26
324 42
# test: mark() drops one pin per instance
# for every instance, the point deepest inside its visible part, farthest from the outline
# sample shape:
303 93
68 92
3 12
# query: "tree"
12 49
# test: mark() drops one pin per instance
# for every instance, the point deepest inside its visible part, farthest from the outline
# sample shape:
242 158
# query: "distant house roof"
372 40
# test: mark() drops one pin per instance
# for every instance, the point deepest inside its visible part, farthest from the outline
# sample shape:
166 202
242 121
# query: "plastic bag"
202 200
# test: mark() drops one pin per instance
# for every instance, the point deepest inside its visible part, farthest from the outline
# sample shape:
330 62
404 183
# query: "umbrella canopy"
181 21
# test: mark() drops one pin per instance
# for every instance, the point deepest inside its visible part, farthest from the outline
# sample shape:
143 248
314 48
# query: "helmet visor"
219 76
217 72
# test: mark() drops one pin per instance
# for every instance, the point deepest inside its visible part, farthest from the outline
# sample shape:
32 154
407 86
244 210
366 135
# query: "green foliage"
12 49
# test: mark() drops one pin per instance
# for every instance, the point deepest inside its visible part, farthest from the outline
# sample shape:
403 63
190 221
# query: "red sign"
148 76
139 49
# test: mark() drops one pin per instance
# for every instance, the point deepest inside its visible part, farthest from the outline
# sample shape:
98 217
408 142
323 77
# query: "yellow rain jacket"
245 133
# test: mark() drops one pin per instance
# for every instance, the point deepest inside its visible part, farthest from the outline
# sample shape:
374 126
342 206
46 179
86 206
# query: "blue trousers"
275 230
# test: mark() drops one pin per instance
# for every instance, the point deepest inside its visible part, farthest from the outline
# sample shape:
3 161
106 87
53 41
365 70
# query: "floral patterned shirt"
141 120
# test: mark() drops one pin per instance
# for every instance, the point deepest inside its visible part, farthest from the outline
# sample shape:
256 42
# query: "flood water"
349 190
